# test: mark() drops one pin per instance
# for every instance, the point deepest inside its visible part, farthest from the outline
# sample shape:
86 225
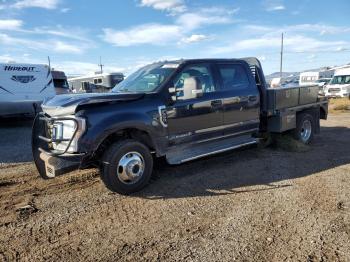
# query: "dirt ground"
250 205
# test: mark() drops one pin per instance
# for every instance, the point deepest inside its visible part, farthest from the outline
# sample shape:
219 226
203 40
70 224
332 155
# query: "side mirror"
192 88
173 92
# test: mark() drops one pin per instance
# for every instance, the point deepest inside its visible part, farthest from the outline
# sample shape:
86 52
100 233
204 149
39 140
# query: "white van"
22 86
339 86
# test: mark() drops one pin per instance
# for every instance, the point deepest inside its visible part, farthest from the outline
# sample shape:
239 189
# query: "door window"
203 75
97 81
234 77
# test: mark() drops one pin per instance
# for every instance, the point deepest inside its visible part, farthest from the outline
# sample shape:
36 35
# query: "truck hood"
67 104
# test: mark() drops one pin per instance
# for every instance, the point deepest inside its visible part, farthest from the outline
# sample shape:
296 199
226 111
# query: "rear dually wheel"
304 131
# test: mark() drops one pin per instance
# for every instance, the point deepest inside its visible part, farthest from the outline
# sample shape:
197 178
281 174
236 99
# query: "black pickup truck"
181 110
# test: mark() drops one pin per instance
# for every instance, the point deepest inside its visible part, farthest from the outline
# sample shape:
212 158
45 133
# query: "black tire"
302 132
111 167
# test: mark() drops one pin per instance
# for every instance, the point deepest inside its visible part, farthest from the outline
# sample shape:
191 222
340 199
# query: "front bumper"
51 163
59 165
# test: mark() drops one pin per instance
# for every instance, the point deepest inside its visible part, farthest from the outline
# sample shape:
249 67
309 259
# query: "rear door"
196 119
241 103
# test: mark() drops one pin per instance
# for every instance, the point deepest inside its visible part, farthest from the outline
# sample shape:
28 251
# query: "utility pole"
101 66
281 64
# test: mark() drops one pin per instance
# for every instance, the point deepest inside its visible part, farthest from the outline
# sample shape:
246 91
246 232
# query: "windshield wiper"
122 90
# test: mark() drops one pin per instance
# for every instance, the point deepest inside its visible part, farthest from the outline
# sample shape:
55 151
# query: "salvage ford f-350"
180 110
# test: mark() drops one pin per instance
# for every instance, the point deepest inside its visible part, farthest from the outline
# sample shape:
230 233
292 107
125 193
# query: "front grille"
48 136
334 89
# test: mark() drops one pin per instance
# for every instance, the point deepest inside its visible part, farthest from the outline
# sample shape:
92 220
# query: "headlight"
66 133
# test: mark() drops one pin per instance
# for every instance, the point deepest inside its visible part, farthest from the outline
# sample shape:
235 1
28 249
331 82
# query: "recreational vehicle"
23 87
311 78
96 83
339 86
60 82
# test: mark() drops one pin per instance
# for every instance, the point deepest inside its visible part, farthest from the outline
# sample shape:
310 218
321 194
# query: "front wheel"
304 131
126 167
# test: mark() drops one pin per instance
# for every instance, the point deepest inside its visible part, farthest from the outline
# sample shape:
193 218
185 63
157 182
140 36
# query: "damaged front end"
55 144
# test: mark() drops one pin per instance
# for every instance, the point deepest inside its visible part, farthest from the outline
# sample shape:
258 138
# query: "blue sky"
130 33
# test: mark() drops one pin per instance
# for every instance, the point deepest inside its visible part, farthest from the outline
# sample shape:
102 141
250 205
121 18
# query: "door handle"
216 103
252 98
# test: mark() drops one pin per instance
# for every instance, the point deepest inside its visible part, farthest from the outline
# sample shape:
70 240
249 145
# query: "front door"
196 119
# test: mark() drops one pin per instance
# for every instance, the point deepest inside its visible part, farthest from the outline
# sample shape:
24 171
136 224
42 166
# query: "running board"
196 151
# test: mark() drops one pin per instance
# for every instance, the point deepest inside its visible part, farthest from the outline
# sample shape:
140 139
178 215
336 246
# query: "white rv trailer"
311 78
339 86
24 87
95 83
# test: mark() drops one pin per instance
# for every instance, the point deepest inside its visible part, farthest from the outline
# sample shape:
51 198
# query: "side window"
234 77
85 86
201 72
97 81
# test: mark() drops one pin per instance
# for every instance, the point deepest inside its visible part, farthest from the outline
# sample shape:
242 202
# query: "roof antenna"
101 66
48 59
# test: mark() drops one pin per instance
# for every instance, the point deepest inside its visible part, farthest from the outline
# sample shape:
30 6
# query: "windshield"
61 83
340 80
146 79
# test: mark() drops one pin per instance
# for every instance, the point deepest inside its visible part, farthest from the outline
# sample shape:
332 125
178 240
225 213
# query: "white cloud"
311 57
276 8
220 10
194 39
6 59
10 24
62 47
49 45
155 34
273 5
46 4
65 10
59 31
182 30
321 29
191 21
295 43
166 5
9 40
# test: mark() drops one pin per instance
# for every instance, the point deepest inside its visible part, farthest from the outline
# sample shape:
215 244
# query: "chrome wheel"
306 130
130 168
